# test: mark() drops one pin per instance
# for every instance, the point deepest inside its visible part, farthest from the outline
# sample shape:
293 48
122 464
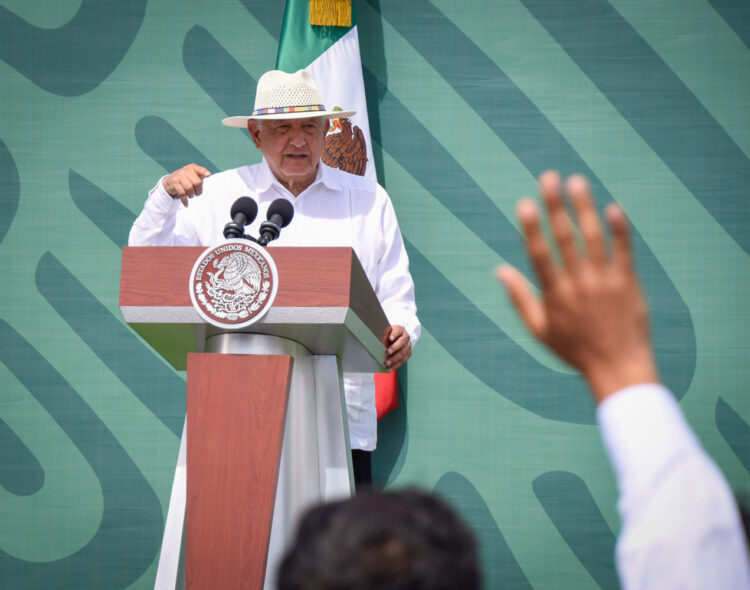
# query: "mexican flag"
329 50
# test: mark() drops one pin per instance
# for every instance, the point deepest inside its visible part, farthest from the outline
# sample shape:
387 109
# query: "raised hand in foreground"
591 312
680 526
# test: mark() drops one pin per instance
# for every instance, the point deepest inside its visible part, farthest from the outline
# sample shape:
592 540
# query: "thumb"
526 303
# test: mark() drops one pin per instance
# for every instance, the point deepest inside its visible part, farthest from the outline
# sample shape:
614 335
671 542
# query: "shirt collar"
327 177
266 179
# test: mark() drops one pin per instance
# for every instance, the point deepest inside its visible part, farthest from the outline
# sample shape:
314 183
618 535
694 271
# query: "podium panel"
236 409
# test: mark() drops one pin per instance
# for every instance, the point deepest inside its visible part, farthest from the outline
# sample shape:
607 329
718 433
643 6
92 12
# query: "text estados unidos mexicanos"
232 248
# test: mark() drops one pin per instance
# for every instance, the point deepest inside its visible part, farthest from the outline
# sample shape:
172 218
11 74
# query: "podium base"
314 465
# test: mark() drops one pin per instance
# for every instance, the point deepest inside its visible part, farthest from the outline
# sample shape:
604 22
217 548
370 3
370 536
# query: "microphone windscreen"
247 206
282 208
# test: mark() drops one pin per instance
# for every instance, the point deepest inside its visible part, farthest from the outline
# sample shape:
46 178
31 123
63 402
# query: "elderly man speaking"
331 208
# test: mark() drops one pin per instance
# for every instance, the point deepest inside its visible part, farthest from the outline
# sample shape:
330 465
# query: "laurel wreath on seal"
228 306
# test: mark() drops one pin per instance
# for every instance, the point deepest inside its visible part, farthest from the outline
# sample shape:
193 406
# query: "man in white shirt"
331 208
680 524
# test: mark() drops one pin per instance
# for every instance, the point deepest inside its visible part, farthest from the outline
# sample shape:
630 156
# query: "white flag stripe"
338 74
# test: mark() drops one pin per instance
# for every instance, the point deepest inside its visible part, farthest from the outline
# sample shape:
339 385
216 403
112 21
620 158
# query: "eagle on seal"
346 149
240 273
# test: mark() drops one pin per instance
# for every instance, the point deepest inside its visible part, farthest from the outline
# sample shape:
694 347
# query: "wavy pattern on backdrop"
124 94
737 16
77 57
131 515
11 191
672 121
494 549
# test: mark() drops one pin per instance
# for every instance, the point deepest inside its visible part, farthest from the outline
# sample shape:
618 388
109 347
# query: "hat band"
306 109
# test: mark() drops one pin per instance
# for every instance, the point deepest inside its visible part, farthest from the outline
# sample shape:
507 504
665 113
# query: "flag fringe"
331 13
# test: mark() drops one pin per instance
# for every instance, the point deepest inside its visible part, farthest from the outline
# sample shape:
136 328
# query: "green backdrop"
469 102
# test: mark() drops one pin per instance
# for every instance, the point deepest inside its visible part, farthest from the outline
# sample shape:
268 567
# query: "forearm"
627 368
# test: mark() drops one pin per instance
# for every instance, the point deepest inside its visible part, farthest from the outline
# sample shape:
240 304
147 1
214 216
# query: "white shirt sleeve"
680 524
395 287
159 223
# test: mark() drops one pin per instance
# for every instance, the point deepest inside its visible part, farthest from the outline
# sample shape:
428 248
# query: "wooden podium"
266 433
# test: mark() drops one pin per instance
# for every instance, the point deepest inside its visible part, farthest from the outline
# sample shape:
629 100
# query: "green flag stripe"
301 43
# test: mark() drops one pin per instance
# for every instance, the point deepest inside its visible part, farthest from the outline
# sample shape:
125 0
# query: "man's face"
292 148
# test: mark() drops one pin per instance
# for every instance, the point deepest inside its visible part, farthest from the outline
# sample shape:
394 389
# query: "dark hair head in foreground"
396 540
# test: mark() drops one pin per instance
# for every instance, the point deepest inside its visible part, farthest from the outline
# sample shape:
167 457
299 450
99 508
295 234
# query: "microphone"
243 212
280 213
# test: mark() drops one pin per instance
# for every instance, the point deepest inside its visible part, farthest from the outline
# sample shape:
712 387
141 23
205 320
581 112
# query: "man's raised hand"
592 312
185 183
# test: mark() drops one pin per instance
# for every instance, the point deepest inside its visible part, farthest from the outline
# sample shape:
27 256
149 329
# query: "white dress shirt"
337 209
680 523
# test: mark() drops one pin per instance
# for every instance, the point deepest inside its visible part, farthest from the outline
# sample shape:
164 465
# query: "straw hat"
286 96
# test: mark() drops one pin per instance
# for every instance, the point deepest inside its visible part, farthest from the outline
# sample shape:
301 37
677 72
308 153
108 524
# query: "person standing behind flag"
332 208
322 37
